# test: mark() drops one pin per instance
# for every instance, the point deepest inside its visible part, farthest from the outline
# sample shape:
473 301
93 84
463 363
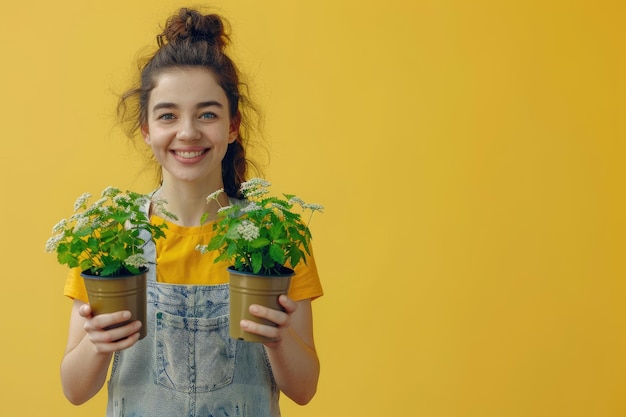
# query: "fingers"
124 341
289 305
106 331
119 338
108 335
280 318
270 332
85 310
106 320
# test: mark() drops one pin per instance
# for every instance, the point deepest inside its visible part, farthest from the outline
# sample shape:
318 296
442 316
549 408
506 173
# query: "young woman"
190 112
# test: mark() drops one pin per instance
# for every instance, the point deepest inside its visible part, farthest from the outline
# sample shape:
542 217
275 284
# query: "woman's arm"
90 348
295 364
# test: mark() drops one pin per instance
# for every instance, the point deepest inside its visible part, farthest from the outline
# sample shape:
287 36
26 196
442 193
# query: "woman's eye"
166 116
208 115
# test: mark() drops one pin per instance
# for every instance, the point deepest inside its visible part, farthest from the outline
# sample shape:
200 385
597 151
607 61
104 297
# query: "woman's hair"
191 39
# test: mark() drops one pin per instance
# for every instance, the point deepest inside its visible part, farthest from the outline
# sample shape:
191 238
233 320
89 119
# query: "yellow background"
470 155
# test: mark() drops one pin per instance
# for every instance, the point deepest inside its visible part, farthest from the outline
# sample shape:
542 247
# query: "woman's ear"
145 133
233 132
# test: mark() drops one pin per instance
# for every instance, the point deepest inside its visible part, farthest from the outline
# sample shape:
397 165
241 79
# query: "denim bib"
188 365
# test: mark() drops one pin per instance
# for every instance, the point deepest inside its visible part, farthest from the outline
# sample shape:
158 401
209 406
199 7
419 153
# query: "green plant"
263 233
107 237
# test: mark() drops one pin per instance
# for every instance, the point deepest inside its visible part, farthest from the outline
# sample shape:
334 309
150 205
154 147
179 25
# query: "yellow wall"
470 155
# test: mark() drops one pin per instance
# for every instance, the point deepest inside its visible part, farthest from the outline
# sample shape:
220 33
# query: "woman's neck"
188 201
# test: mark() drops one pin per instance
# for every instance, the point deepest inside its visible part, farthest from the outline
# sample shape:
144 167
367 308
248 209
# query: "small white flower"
203 249
59 226
137 260
121 199
223 208
256 193
214 195
142 201
110 191
282 207
158 203
53 243
255 187
254 183
296 200
248 230
251 206
81 201
81 222
313 207
99 203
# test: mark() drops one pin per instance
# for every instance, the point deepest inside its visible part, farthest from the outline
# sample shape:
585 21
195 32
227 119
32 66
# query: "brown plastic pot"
246 289
117 293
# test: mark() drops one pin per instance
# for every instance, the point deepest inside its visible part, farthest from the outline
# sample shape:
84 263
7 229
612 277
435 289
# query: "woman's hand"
111 340
281 318
90 348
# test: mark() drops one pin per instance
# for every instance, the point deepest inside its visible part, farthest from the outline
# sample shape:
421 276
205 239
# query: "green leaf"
133 270
257 262
107 235
276 231
83 231
277 254
67 258
295 255
93 245
259 243
239 266
118 251
232 249
222 257
232 232
85 264
63 248
78 246
111 268
216 242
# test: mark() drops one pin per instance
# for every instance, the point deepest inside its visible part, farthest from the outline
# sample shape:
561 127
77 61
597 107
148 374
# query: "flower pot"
246 289
117 293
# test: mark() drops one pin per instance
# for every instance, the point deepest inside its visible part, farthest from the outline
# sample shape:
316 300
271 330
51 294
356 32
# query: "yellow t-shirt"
178 262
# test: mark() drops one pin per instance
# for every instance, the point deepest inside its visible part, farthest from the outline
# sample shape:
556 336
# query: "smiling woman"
188 126
197 43
190 111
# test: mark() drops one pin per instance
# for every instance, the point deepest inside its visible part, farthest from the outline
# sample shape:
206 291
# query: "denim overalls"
188 365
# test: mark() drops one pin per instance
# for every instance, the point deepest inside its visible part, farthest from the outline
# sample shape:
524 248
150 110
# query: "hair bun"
192 26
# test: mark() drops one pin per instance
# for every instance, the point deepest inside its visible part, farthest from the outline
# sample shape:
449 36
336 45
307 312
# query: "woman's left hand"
281 318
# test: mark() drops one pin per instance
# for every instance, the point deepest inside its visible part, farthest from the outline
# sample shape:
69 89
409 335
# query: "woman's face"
188 125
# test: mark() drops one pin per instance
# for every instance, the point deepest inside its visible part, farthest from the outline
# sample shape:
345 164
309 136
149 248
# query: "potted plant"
263 238
105 240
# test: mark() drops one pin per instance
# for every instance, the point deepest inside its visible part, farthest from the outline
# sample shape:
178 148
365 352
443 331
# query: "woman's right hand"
90 348
111 340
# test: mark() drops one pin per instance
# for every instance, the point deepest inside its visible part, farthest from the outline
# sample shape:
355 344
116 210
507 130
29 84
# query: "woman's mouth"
189 155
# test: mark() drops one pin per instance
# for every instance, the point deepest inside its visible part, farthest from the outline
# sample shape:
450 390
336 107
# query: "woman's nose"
188 131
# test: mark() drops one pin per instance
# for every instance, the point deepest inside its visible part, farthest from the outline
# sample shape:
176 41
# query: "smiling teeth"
189 155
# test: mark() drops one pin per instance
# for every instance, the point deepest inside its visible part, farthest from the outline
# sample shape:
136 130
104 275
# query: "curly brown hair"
192 39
